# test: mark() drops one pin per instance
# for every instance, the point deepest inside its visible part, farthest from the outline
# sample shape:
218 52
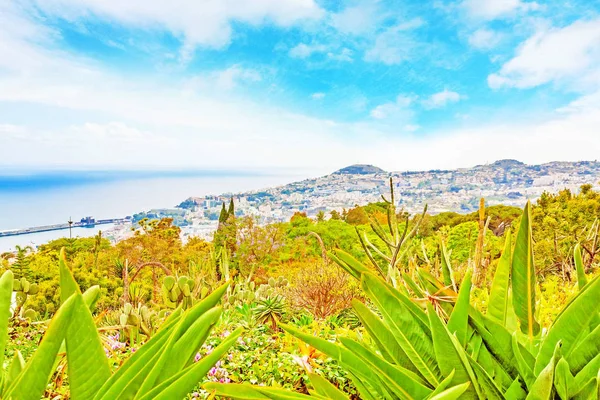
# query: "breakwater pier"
87 222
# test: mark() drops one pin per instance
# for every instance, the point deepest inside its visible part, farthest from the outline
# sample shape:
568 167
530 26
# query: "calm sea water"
27 201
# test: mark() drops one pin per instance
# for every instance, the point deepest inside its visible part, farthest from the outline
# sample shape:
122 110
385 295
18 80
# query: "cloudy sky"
297 83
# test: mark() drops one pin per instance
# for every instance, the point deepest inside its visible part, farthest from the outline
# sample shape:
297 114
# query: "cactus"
246 292
139 320
204 292
179 292
23 289
30 314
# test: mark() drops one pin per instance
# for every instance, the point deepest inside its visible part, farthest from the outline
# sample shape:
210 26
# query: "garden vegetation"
369 303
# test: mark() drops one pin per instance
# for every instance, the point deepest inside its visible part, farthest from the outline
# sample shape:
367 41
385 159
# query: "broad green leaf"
187 346
347 262
363 388
499 342
6 287
589 391
524 367
180 384
571 324
407 330
131 374
579 267
91 297
191 315
68 286
515 391
443 385
542 388
382 336
417 291
351 362
459 319
450 356
498 302
135 368
325 388
453 393
484 379
585 351
403 383
14 369
152 377
31 382
588 372
446 267
87 362
564 381
523 277
248 392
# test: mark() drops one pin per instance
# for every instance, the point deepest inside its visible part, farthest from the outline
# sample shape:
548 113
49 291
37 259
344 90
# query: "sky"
297 84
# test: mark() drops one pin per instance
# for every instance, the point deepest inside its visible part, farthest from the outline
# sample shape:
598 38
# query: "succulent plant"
30 314
140 319
23 289
180 291
247 292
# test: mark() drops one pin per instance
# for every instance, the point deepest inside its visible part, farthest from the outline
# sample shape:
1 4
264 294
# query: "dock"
87 222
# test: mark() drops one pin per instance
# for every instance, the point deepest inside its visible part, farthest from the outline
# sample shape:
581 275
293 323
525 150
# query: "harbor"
87 222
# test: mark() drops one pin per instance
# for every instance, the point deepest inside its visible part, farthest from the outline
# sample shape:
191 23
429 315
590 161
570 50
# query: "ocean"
28 200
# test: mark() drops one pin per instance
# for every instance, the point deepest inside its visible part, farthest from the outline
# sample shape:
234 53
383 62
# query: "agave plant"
270 310
451 350
163 368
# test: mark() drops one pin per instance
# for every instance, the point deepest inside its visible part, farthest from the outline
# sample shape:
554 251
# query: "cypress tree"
223 216
231 211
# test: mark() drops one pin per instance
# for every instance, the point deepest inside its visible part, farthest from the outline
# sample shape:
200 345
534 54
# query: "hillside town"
508 182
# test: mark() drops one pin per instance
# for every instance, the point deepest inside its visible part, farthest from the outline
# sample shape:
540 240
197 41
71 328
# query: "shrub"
322 289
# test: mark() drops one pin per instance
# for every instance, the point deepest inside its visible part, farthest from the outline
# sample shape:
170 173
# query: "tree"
231 210
21 267
223 216
335 215
357 216
320 216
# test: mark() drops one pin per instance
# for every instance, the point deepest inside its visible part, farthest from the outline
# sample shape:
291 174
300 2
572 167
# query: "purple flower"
198 357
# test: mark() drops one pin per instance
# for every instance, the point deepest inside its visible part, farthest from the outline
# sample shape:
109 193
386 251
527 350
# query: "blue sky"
297 83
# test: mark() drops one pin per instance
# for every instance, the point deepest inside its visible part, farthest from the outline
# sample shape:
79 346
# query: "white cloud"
492 9
391 47
441 99
198 23
223 80
358 19
485 39
344 55
569 54
393 109
318 96
303 50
